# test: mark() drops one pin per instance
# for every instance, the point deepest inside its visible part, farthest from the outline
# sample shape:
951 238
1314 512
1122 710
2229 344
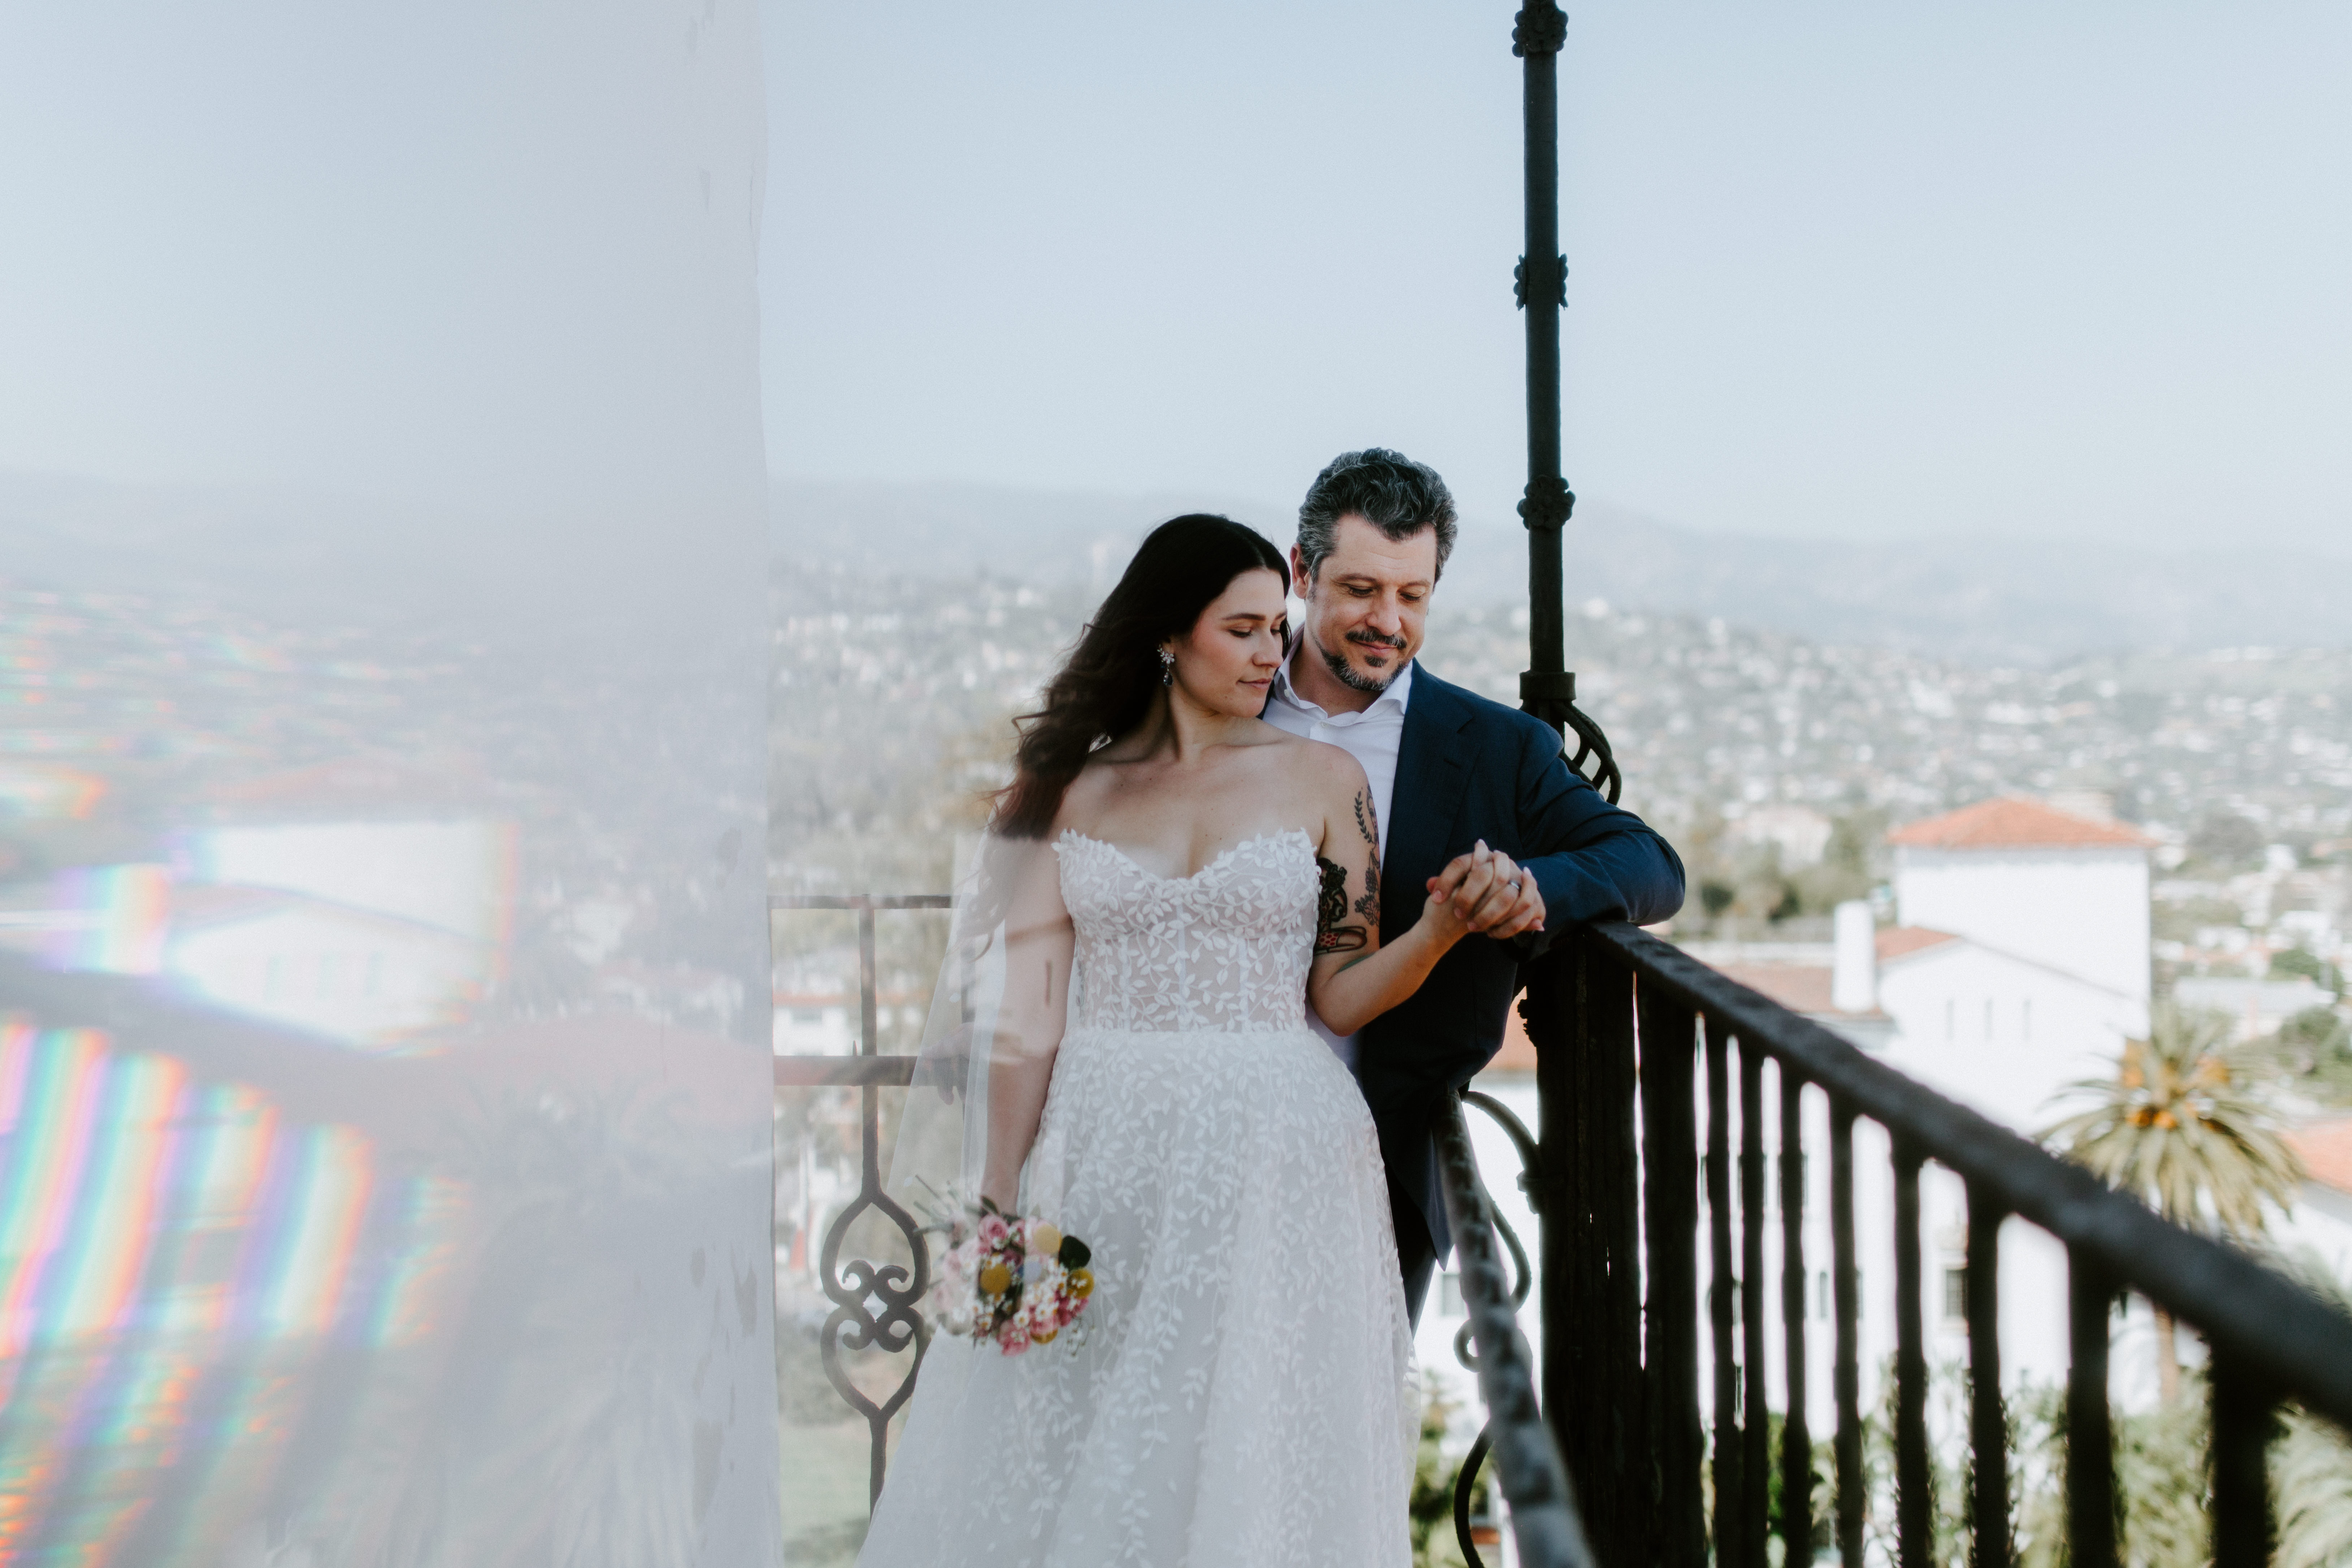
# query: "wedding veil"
995 1020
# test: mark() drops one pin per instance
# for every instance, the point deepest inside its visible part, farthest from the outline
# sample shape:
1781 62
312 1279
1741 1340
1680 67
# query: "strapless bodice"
1225 949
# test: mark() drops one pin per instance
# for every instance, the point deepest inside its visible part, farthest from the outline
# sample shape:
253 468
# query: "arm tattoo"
1368 906
1333 933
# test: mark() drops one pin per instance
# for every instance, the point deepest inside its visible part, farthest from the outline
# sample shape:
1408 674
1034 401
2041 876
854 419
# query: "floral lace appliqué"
1225 948
1244 1393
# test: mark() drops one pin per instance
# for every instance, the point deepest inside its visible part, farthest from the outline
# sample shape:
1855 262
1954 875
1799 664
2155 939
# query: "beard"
1347 674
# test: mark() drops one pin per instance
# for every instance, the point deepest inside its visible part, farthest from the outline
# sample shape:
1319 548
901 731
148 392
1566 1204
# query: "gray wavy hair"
1387 489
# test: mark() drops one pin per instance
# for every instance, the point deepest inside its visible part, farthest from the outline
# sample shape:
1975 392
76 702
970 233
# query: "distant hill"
1987 602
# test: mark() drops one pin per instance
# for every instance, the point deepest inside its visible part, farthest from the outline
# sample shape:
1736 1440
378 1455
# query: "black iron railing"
1622 1022
1544 1521
876 1305
1633 1035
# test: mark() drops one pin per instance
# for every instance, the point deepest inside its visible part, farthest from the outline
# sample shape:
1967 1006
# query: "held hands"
1483 891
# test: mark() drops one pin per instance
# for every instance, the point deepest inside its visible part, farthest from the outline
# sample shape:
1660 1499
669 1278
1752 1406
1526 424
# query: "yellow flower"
1082 1282
1046 1239
995 1280
1043 1337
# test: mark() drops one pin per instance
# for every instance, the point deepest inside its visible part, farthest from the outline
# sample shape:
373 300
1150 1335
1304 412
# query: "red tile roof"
2008 823
1518 1052
1901 942
1799 987
2325 1150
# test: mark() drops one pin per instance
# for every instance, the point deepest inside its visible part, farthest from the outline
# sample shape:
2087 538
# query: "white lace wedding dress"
1243 1396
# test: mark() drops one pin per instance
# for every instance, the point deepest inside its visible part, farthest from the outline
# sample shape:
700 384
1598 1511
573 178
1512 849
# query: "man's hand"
1503 903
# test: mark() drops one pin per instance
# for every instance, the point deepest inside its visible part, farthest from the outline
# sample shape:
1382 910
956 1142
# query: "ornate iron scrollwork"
875 1305
853 1325
1592 747
1522 1279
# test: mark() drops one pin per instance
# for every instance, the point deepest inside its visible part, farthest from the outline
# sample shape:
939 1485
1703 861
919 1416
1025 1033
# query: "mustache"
1374 639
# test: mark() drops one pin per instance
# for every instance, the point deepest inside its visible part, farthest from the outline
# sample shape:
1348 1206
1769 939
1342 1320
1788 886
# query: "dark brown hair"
1104 688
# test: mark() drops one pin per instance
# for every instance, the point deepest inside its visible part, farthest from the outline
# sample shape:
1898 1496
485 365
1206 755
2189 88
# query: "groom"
1450 771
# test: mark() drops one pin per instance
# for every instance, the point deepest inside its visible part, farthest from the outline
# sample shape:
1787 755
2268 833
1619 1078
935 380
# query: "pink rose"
993 1232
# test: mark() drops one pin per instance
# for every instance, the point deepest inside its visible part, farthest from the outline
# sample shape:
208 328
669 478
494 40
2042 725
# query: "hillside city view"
139 722
1775 763
531 537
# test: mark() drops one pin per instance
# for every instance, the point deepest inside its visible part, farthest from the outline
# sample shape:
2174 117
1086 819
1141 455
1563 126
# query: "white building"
366 901
2068 893
353 973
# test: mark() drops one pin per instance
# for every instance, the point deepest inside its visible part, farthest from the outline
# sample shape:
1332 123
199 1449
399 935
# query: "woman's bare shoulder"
1083 801
1324 779
1333 766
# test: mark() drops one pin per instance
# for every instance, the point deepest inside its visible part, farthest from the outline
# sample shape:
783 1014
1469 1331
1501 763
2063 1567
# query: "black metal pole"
1538 38
1546 688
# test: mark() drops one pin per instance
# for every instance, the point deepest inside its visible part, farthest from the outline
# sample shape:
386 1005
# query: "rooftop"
2006 821
1901 942
2325 1150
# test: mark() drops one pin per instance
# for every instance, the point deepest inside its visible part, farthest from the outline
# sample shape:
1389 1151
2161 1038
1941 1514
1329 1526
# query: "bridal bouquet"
1017 1281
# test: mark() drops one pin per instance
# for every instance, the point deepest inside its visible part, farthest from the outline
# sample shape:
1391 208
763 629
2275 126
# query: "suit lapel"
1433 772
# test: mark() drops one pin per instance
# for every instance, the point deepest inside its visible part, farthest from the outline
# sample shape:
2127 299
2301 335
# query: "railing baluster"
1580 1019
2090 1436
1987 1422
1755 1422
1845 1280
1728 1511
2245 1418
2270 1340
1670 1209
1915 1540
1796 1436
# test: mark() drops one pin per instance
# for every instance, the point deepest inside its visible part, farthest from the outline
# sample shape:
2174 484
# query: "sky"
435 253
1838 269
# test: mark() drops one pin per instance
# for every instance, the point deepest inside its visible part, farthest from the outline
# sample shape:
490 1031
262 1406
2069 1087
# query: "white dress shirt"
1373 738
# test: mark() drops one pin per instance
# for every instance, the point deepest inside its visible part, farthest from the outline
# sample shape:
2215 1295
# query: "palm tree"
2178 1127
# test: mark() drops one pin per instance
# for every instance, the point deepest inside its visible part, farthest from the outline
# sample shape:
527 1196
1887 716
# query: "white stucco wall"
2083 911
2000 1034
351 975
454 876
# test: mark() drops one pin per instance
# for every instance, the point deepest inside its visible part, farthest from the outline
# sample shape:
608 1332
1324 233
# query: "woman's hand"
1458 895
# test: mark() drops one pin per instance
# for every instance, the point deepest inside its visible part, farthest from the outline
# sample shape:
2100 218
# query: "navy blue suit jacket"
1470 769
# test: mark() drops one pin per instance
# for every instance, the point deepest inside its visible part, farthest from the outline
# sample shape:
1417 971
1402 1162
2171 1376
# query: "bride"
1170 882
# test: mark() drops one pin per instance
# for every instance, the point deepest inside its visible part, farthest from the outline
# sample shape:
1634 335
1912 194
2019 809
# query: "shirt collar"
1399 693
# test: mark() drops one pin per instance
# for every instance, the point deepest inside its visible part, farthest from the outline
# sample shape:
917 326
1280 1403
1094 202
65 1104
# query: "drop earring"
1167 667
